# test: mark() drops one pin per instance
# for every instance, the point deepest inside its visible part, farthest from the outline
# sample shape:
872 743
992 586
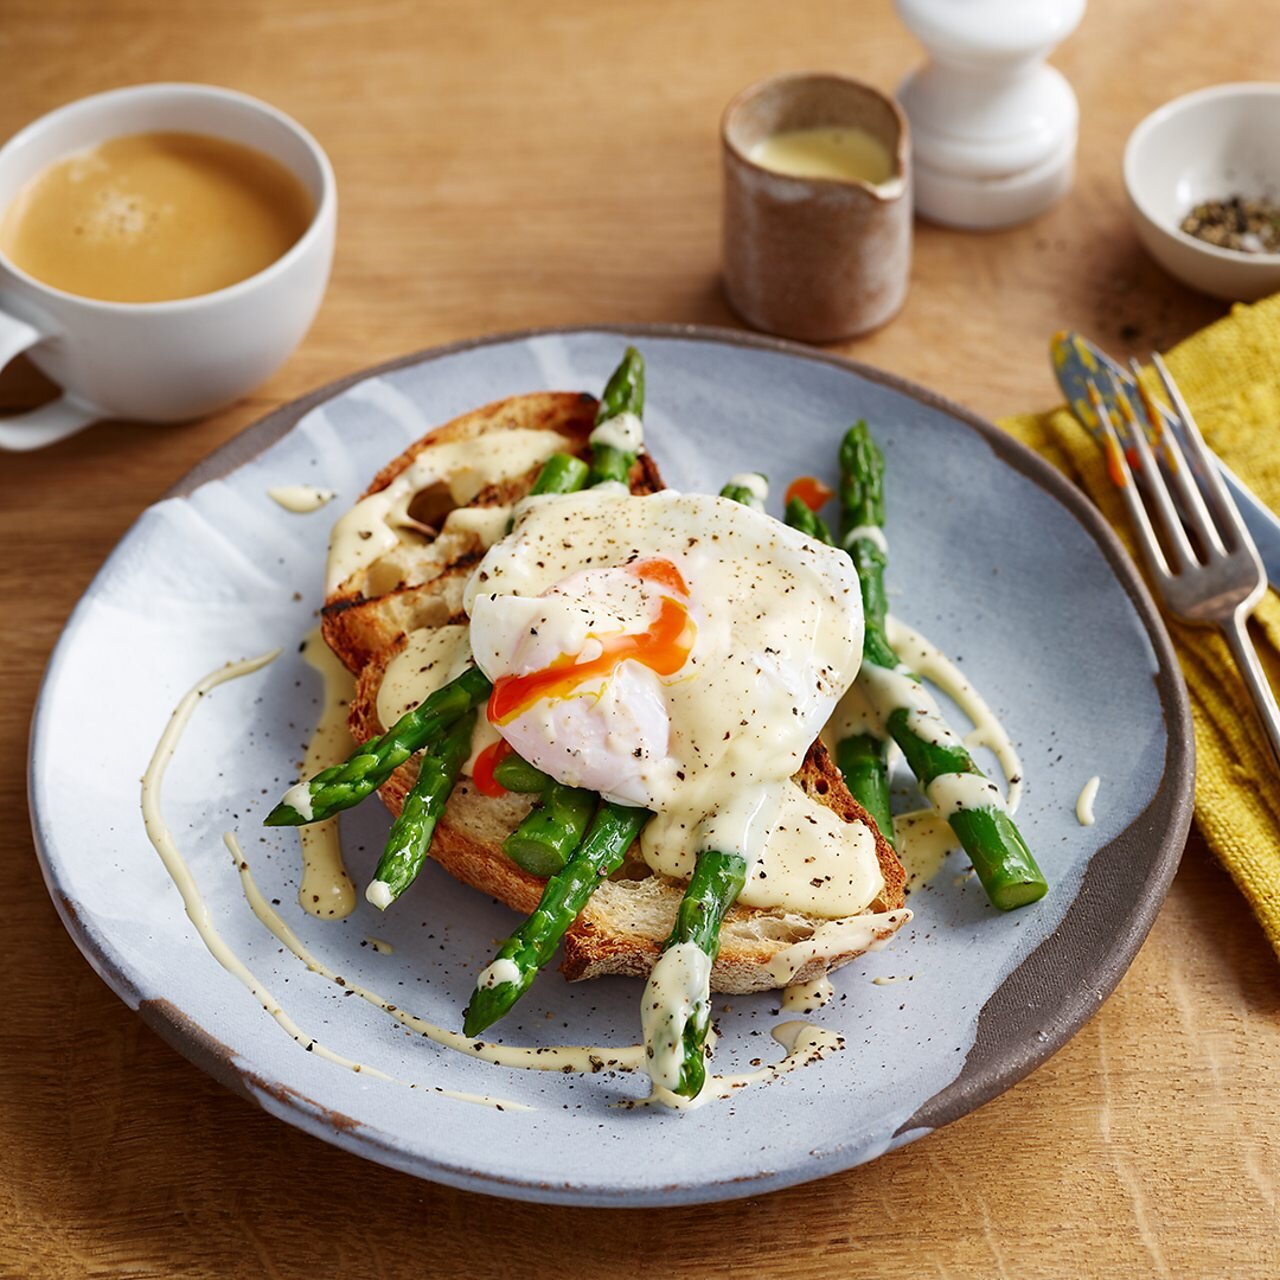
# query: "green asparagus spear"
750 494
516 774
372 763
987 833
799 516
561 473
543 843
410 835
519 958
863 760
713 888
995 846
861 535
624 393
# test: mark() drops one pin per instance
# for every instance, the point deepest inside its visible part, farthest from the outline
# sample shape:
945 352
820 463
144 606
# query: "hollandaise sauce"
326 889
802 1043
378 524
839 152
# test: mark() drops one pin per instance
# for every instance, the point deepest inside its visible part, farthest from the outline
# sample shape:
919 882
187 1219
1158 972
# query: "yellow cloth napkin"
1230 375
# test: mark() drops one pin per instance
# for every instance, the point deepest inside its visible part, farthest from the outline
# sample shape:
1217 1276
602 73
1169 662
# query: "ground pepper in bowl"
1239 222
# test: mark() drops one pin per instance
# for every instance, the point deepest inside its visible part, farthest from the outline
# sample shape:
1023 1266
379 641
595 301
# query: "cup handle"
53 421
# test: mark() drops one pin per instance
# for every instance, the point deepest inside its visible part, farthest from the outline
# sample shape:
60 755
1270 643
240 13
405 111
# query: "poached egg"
678 652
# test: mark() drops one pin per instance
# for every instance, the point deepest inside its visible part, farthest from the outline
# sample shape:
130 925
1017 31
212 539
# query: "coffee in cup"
151 217
163 248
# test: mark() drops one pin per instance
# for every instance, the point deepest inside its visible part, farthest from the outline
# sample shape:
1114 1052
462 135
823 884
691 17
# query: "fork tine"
1122 478
1177 545
1223 502
1194 510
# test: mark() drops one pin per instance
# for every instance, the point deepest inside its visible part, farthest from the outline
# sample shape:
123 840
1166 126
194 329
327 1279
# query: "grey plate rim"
1035 1011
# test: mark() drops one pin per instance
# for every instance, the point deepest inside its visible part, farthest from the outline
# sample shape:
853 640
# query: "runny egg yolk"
664 647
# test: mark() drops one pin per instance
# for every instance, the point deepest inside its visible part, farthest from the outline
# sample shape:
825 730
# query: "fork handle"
1255 678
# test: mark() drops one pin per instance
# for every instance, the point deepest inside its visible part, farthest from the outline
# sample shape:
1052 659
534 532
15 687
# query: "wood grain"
504 165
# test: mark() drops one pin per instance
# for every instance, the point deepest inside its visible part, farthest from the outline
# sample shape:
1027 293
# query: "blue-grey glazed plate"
994 556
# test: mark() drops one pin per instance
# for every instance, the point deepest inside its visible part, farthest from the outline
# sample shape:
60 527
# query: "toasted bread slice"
629 916
420 585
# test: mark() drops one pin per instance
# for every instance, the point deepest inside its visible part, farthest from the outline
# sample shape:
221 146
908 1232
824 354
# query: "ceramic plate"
994 557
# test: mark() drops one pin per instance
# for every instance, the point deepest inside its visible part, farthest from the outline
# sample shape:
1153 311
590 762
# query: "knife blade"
1076 359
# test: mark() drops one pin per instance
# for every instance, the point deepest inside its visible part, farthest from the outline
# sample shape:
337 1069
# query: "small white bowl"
1206 145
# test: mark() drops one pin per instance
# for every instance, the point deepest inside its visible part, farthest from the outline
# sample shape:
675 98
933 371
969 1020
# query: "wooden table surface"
503 165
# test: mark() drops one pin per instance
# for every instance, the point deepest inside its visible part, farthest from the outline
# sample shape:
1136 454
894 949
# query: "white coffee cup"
160 361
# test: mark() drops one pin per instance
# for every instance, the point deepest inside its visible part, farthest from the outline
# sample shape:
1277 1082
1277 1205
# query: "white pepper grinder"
993 128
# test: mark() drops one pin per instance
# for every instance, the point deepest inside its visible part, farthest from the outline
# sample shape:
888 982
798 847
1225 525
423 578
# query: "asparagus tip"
692 1077
475 1018
284 815
488 1004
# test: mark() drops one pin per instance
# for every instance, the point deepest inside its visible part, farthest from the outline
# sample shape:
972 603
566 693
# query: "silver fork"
1218 581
